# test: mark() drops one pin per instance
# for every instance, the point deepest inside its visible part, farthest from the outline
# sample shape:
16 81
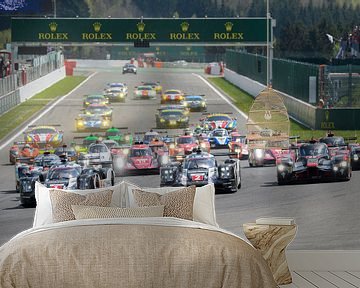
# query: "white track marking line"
221 95
44 112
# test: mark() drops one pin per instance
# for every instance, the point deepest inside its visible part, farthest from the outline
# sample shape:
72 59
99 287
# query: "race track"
327 214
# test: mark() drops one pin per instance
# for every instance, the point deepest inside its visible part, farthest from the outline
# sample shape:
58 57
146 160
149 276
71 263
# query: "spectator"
343 47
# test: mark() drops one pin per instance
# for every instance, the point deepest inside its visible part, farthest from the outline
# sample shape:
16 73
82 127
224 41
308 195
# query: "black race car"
129 68
354 150
312 162
95 177
27 186
201 168
171 118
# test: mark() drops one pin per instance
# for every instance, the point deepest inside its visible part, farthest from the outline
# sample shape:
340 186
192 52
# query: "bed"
133 251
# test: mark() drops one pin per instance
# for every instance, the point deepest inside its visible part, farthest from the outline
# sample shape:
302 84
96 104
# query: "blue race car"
92 123
219 138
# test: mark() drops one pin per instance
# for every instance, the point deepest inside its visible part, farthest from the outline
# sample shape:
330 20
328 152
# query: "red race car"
23 150
238 145
138 159
185 145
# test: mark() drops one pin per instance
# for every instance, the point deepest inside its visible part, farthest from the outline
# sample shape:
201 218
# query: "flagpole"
267 45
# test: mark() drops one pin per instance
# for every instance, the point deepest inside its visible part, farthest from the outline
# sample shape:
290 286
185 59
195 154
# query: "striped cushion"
61 202
177 204
93 212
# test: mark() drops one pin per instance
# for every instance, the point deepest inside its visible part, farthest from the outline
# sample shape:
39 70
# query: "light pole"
54 3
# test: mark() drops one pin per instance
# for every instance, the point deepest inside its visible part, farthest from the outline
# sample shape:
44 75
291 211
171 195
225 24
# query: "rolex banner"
195 30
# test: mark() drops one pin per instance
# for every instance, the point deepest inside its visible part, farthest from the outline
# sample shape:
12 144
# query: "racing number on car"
197 177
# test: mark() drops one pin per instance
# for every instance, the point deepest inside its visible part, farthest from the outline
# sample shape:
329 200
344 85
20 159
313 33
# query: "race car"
172 96
201 168
129 68
99 110
41 163
44 136
154 85
185 145
95 99
265 156
95 177
27 182
312 162
195 102
354 150
138 159
115 94
219 138
148 136
179 106
335 144
144 92
86 141
171 119
238 145
115 134
93 122
23 150
63 176
120 85
218 120
97 153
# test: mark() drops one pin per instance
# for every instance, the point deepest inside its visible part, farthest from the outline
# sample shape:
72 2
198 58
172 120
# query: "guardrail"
9 86
9 101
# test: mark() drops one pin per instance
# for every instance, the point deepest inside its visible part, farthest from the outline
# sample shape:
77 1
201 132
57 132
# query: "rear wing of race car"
54 125
25 160
208 113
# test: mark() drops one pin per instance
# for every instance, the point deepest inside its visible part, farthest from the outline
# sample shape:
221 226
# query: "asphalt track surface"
327 214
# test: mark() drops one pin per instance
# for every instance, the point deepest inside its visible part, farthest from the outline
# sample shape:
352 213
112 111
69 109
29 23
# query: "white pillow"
43 212
204 202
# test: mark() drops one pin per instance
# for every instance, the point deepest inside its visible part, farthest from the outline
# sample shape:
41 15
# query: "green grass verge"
21 113
243 101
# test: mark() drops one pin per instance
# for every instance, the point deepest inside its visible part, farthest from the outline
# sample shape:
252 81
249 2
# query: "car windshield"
218 118
312 150
140 152
97 109
171 113
172 92
144 88
186 140
63 173
43 131
116 85
193 98
219 133
112 133
97 149
150 137
200 163
333 141
110 144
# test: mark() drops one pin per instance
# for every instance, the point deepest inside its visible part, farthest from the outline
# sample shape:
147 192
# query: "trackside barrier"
9 101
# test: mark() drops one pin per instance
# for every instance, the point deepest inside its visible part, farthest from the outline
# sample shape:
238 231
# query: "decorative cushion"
61 202
204 202
92 212
177 203
43 212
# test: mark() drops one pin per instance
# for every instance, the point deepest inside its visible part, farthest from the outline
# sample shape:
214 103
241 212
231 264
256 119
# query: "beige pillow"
61 202
93 212
177 204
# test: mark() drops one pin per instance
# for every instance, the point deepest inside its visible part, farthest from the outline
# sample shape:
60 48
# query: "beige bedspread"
166 252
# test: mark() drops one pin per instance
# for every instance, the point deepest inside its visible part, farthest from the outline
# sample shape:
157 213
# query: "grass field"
243 101
24 111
